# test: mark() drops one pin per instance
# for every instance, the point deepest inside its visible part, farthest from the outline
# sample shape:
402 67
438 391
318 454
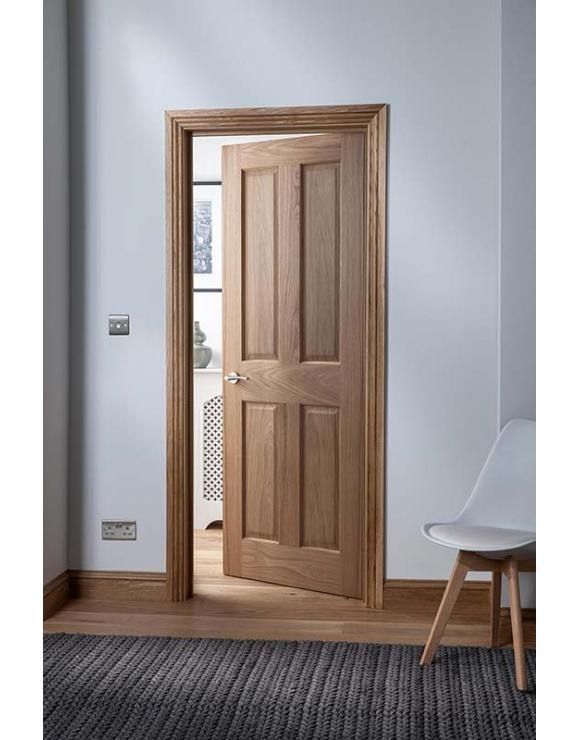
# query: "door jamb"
180 128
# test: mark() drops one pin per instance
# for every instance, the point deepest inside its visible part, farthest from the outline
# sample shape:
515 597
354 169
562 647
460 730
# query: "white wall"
518 211
55 288
518 221
438 66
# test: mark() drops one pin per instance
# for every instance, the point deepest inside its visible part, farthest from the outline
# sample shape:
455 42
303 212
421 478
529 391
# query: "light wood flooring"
235 608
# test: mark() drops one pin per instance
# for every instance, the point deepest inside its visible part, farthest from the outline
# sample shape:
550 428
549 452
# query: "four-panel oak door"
294 329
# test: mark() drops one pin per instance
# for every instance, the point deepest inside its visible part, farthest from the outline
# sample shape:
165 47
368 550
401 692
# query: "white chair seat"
478 538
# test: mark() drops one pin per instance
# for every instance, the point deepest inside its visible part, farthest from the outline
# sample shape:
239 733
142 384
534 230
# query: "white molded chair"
495 531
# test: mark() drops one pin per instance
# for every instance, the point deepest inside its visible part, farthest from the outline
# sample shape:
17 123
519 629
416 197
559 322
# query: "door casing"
181 126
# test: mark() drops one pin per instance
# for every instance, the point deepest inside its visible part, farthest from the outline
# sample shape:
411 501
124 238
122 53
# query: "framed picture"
207 236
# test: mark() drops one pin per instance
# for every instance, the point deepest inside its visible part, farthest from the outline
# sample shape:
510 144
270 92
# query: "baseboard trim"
528 613
421 594
118 585
55 594
412 583
473 598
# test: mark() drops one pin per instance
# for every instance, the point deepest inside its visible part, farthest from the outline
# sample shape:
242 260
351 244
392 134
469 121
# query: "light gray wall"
438 66
55 288
518 210
518 222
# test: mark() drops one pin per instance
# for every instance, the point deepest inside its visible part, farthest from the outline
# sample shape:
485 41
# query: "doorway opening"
287 406
208 312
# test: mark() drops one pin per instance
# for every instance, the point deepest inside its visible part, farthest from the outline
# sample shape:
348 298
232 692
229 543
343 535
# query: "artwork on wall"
207 236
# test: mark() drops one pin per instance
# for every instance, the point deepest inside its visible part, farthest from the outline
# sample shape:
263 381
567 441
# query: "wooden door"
294 327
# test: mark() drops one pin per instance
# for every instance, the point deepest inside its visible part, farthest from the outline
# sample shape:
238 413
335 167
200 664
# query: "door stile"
289 238
232 349
352 335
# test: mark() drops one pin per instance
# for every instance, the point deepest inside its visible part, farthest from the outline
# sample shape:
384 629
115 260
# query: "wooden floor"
236 608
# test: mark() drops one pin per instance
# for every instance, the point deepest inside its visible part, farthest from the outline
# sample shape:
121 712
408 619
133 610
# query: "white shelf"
208 370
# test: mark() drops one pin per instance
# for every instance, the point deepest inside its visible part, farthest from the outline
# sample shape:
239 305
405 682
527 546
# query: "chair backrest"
505 492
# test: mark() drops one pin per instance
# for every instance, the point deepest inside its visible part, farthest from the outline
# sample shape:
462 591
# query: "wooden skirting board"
474 596
118 585
146 586
55 594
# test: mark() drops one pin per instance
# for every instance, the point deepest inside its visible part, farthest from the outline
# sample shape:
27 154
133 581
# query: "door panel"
320 440
293 324
260 443
320 257
260 264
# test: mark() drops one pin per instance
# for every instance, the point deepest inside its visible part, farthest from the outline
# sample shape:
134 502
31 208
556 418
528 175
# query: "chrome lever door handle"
234 378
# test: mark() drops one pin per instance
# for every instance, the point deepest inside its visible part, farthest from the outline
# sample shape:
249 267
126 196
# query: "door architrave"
180 128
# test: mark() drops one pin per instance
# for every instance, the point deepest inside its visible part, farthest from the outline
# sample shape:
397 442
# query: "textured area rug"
159 688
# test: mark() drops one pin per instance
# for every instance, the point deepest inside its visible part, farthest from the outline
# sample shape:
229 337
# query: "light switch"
118 324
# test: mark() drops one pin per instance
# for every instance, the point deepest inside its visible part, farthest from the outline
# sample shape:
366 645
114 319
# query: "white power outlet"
111 530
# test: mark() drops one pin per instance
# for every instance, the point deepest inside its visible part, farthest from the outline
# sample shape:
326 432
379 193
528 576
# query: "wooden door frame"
180 128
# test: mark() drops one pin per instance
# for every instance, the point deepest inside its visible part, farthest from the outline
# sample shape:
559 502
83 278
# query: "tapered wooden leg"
445 608
512 572
494 609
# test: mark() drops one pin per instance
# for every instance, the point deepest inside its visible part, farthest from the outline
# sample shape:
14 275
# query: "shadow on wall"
78 281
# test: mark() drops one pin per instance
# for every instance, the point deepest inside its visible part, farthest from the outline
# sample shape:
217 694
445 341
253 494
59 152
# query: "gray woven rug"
159 688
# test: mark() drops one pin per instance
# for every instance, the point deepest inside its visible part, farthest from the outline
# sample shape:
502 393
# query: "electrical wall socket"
112 530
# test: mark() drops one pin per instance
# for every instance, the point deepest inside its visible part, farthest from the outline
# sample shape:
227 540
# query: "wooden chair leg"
512 572
494 608
445 608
